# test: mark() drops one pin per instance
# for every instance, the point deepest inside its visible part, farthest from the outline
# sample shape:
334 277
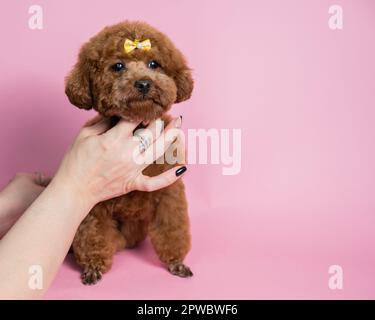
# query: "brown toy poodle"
133 71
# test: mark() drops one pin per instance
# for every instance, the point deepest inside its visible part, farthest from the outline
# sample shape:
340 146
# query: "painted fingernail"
178 122
180 171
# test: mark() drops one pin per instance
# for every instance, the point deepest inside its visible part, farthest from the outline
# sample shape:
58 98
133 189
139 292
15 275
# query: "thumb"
145 183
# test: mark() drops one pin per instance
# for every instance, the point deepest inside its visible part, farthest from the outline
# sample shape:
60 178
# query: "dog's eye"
118 66
153 64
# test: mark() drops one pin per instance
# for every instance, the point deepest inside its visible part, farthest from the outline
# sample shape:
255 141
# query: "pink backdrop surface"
303 96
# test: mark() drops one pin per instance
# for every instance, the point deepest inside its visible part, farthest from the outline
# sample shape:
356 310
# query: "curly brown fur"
125 221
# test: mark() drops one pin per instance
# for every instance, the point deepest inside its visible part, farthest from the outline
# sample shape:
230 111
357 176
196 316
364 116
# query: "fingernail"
180 171
178 122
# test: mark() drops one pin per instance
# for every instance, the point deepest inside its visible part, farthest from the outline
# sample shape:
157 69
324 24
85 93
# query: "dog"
132 71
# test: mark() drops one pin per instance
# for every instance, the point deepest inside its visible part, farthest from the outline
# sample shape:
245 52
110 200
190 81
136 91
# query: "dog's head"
129 70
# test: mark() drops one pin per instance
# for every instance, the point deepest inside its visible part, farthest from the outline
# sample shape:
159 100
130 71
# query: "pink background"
303 96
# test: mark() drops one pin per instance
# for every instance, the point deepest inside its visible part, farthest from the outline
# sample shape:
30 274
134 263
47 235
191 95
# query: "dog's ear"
184 82
77 85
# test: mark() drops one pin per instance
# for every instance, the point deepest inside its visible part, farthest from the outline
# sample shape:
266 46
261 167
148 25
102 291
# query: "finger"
149 134
31 177
44 181
95 126
122 128
163 180
94 120
175 123
154 129
39 178
161 145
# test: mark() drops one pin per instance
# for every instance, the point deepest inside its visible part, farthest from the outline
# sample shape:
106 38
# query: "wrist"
72 194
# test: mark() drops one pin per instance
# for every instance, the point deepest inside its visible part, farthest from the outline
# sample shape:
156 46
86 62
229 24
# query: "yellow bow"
130 45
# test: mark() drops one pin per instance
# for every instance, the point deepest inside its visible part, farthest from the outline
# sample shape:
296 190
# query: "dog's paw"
90 276
179 269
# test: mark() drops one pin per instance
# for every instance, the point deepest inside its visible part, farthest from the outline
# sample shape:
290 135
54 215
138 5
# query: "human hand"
104 162
18 195
24 188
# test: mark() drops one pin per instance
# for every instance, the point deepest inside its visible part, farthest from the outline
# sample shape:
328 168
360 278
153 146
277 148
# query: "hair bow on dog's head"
130 45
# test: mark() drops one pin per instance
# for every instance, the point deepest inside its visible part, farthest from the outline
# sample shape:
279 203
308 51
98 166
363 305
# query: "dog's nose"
143 86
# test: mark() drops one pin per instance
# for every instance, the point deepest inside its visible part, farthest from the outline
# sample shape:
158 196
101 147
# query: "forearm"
42 237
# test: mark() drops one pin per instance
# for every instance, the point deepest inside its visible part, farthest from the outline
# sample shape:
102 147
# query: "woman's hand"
106 162
18 195
102 163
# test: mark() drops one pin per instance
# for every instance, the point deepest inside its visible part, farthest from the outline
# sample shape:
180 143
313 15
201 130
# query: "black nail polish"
180 171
